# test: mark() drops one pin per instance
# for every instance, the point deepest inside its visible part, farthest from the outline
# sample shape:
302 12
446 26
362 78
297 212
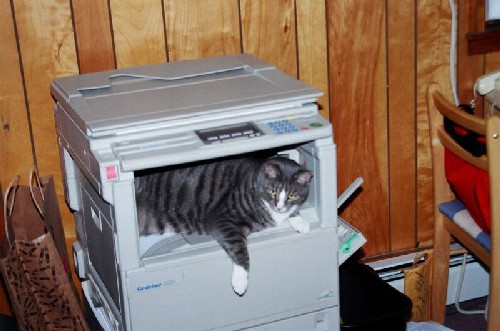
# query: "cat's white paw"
299 224
239 280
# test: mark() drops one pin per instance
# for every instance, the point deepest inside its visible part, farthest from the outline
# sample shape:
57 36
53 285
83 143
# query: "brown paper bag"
417 286
40 291
44 196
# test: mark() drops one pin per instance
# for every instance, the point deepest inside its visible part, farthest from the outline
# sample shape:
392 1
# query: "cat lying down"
227 199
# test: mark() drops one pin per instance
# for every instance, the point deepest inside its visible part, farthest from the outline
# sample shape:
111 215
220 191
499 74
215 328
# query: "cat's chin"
280 210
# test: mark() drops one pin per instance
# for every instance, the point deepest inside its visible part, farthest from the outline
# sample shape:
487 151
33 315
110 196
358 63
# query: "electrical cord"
459 289
453 42
453 81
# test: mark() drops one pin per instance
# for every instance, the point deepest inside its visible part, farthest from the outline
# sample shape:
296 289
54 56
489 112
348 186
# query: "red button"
111 172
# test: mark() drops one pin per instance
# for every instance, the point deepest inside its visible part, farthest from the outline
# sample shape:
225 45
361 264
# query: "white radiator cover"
475 283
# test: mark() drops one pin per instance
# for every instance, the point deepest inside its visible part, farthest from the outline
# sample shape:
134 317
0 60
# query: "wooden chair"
444 228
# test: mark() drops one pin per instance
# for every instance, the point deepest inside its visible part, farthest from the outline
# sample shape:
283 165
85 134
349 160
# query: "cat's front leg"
239 279
299 224
232 239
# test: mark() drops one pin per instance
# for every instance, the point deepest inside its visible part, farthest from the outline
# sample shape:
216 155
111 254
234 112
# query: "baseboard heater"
475 282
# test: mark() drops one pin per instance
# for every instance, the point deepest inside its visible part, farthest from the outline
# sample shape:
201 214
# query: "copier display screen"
229 133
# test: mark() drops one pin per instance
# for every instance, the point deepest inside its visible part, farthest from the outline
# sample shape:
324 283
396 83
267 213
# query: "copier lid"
103 103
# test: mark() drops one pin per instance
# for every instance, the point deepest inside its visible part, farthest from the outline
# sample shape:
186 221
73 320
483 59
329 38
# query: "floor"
462 322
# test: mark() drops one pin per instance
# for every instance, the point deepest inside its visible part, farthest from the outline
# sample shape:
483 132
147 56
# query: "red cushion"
471 185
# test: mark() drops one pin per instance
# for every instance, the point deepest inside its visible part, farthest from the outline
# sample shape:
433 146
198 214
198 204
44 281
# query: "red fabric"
471 185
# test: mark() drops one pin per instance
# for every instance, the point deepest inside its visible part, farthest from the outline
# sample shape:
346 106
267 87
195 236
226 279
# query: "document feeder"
111 124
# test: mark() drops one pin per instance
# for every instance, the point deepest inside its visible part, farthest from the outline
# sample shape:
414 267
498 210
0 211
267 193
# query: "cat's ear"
303 177
271 171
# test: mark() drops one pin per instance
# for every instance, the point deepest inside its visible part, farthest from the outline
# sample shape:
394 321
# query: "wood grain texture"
312 48
195 29
401 109
93 35
46 41
269 32
469 67
493 128
358 110
441 192
483 42
492 62
16 155
433 43
138 30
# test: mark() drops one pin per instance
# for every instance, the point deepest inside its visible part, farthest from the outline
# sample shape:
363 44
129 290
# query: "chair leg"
494 298
440 270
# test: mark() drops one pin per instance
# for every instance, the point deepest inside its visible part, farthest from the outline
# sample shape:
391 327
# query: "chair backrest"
439 108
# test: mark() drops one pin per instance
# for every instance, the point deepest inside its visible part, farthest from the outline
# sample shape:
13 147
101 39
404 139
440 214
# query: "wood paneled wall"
45 39
382 57
372 59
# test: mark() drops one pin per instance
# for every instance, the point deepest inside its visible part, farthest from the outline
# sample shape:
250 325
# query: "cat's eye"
292 197
271 192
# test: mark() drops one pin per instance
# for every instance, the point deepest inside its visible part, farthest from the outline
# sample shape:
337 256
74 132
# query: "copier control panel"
229 133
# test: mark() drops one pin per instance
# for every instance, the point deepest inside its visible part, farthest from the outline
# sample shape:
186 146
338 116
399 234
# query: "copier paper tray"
112 125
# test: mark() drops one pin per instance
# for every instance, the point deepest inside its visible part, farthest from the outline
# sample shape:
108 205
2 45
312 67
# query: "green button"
315 125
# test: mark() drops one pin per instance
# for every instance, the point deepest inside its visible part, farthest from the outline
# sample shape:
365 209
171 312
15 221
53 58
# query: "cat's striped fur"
227 199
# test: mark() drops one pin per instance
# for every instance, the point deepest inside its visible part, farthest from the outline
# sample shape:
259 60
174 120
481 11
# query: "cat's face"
283 184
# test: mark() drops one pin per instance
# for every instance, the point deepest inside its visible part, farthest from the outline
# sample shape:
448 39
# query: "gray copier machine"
112 124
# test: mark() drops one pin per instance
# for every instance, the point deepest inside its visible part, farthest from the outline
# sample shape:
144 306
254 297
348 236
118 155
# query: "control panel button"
282 127
316 125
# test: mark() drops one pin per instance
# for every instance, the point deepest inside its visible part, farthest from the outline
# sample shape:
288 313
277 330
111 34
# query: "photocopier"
113 124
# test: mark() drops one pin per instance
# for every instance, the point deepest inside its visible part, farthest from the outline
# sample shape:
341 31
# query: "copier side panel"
320 157
76 144
100 239
290 274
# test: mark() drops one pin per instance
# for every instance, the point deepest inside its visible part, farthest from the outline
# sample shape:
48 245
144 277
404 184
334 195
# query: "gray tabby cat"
227 199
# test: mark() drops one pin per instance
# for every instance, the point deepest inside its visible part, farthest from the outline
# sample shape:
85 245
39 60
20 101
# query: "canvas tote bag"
41 295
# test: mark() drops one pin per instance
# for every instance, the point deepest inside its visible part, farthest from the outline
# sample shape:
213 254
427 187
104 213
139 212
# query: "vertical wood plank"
16 155
358 110
93 35
195 29
433 43
492 62
469 67
268 32
46 40
401 108
138 30
312 48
